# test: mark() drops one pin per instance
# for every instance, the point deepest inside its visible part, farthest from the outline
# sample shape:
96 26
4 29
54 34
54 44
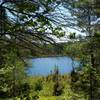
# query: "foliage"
25 30
57 85
47 92
24 27
86 78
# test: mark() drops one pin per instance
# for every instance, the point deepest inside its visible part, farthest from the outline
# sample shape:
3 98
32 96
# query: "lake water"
44 66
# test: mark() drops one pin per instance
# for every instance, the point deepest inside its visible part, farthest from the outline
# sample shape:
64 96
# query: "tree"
58 89
25 25
88 22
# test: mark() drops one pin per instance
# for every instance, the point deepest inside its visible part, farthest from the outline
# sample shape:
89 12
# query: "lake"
44 66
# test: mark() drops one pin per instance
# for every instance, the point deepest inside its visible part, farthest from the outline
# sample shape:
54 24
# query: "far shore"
47 56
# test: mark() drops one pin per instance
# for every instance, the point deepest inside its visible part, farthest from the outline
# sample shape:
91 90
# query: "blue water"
43 66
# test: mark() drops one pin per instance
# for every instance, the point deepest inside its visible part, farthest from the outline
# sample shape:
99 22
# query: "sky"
0 1
65 24
62 12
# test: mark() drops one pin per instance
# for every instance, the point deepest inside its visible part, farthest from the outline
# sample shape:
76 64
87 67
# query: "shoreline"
51 56
44 56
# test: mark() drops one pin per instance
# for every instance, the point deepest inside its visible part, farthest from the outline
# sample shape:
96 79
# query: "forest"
49 28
